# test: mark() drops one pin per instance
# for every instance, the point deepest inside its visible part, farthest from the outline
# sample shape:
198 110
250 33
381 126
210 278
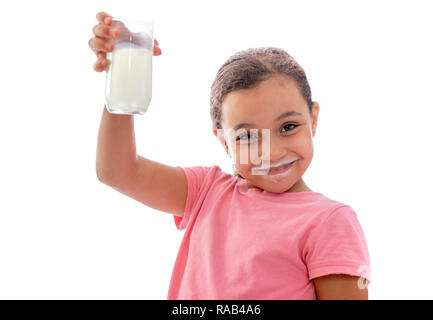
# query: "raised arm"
154 184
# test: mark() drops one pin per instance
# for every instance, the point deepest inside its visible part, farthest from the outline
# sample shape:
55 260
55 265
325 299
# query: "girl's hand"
104 31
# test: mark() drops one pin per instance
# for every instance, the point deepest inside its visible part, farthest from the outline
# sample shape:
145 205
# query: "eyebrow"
285 114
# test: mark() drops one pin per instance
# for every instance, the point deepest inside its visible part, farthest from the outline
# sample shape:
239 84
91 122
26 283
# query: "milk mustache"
129 79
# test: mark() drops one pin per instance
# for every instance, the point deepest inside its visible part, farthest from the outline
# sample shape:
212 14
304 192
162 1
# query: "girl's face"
261 134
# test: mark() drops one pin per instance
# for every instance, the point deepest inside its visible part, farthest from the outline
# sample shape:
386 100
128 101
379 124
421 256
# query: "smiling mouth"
281 169
276 170
284 166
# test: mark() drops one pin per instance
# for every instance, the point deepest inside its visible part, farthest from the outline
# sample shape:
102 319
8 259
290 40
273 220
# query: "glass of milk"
128 85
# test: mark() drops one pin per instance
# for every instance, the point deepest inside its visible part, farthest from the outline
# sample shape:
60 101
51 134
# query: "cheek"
302 145
243 156
303 149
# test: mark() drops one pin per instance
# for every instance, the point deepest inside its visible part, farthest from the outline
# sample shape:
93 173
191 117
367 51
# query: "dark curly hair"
247 69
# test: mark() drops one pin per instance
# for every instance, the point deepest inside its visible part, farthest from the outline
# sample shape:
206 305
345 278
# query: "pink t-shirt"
250 244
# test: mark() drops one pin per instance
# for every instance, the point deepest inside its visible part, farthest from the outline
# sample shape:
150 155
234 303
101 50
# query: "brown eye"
246 137
243 137
289 125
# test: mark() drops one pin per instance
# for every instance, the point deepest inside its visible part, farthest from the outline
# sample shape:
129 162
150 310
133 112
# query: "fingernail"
104 62
107 20
108 45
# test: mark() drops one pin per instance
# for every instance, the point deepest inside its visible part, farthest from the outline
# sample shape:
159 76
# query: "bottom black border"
206 309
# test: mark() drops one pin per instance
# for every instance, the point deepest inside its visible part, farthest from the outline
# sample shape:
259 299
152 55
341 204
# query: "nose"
272 150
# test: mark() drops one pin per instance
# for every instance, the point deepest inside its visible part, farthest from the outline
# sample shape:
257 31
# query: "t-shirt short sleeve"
199 181
337 245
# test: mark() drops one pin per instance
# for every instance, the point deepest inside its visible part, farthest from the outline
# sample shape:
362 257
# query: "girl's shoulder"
329 207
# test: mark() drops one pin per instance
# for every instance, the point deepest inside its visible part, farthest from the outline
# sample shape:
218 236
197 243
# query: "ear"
314 117
221 139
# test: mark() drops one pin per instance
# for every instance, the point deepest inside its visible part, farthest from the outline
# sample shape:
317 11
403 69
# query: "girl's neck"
299 186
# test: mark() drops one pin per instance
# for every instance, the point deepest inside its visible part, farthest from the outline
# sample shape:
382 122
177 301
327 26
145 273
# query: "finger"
100 45
105 32
104 18
101 65
101 55
157 51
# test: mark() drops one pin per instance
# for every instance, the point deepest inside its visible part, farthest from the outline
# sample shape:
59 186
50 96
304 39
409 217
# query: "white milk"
129 80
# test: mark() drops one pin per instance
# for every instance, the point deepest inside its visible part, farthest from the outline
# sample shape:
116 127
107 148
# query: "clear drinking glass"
128 85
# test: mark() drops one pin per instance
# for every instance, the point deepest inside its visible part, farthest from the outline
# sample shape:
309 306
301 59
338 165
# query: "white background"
65 235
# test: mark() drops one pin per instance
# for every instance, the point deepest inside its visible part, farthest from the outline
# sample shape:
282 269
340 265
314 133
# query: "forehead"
262 104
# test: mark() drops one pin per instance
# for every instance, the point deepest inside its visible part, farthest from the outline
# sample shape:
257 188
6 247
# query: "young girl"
261 233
